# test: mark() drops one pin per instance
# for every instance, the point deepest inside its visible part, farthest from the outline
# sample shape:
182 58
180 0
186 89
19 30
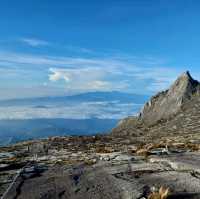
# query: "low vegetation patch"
162 193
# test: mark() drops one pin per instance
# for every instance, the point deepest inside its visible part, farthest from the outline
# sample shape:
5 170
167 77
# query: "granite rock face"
114 179
167 103
174 110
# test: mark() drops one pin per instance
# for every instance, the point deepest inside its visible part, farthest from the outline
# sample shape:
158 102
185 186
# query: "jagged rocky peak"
185 84
167 103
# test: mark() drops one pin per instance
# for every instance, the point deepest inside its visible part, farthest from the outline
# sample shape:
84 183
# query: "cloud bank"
82 74
83 110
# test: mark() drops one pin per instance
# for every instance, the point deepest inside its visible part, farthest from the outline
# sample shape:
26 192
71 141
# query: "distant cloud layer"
83 110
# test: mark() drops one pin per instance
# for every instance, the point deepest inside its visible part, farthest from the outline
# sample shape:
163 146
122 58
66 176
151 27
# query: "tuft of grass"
103 150
163 193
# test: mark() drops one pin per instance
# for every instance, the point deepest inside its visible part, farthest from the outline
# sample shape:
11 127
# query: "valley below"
16 130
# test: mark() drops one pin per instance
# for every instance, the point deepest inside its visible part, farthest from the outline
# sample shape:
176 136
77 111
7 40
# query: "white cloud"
79 74
17 58
34 42
98 84
58 75
81 79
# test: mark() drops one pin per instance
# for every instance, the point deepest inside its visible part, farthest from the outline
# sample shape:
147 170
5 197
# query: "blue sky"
64 47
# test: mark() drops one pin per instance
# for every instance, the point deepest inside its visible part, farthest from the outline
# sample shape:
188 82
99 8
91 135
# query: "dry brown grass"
163 193
103 150
142 152
146 148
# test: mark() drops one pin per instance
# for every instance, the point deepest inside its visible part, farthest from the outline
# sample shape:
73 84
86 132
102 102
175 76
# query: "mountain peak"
168 103
186 77
185 85
186 74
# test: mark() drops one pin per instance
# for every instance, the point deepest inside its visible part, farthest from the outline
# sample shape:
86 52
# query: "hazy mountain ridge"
83 97
17 130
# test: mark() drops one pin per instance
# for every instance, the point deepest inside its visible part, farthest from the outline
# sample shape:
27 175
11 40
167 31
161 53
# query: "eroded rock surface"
116 179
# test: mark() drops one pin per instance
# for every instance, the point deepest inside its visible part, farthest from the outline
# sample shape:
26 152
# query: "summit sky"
50 48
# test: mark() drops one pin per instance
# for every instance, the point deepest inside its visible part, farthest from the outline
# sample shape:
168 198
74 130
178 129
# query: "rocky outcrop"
167 103
175 110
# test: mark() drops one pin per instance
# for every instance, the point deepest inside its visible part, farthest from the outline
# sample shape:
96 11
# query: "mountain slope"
169 113
169 102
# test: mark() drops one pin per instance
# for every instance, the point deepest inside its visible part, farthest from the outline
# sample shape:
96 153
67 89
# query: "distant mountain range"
83 97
